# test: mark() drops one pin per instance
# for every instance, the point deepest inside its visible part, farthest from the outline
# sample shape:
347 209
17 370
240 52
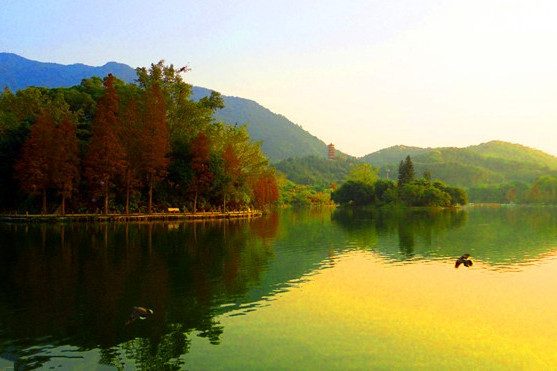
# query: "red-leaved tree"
155 139
202 175
105 157
129 136
65 165
34 168
265 189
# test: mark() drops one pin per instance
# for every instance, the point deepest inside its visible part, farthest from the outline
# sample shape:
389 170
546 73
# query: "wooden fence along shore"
52 218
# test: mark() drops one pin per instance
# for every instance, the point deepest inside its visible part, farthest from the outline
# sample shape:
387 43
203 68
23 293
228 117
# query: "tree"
105 156
155 139
129 136
202 175
34 168
232 172
405 171
65 172
354 192
265 189
244 160
364 173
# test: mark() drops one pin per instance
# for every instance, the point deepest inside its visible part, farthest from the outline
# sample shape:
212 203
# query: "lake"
297 289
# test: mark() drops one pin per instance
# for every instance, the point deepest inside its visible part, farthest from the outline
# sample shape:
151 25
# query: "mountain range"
281 138
486 163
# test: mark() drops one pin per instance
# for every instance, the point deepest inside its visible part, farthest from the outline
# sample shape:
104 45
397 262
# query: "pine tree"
406 172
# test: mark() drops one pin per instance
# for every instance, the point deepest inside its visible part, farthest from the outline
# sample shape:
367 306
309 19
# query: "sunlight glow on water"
308 289
363 313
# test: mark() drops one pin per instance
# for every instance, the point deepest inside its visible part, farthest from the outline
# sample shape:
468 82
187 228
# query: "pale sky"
363 75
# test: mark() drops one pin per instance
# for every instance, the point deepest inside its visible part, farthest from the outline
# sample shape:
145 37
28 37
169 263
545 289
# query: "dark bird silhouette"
463 260
139 312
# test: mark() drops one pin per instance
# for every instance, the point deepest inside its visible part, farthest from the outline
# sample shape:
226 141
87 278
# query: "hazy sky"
363 75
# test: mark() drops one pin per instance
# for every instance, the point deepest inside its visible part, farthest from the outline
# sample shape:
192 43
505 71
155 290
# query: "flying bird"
139 312
463 260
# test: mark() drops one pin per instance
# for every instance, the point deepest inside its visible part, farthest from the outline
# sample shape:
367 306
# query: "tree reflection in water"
67 291
502 237
76 285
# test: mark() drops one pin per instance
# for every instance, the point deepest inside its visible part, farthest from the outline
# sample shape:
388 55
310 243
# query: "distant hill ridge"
491 162
281 138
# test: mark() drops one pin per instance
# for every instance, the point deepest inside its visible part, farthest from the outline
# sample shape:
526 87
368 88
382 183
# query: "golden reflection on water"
362 313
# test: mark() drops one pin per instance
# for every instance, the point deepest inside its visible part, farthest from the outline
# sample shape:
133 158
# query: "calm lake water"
311 289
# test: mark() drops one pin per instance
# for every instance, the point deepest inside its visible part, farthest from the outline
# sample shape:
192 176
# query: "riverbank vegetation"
363 187
106 145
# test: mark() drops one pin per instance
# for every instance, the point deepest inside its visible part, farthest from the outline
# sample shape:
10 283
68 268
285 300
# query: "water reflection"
77 284
66 291
503 237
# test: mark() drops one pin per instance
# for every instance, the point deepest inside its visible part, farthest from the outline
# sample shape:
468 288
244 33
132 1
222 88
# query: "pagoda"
331 151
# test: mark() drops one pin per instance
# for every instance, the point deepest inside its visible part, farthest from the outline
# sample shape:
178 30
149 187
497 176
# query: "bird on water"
139 312
463 260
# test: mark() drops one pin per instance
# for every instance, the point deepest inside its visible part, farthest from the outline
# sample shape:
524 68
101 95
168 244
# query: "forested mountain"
316 171
18 73
392 155
487 163
281 138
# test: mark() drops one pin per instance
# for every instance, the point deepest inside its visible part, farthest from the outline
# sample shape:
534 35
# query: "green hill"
281 138
486 163
391 155
312 170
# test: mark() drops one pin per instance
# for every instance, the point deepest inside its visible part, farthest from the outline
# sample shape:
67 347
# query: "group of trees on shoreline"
111 146
363 187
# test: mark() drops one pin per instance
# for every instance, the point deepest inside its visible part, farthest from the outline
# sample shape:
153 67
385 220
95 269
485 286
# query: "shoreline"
135 217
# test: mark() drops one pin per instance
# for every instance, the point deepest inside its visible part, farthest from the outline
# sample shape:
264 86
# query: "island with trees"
363 187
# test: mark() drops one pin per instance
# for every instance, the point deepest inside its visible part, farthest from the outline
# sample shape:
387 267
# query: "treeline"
363 187
542 191
111 146
316 171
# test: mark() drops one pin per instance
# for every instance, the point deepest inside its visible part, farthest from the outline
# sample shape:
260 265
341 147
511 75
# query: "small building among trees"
331 151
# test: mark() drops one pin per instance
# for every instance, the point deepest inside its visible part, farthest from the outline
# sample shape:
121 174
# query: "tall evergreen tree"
406 171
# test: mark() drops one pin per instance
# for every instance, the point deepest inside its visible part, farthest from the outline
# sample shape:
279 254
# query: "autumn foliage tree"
129 136
265 189
155 139
65 165
202 175
34 168
105 156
